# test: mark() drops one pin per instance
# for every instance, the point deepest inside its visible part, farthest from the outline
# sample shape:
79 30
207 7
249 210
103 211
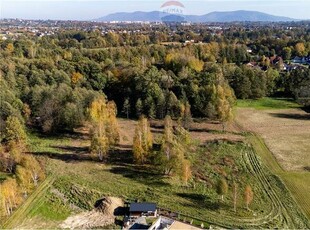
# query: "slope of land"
79 180
286 132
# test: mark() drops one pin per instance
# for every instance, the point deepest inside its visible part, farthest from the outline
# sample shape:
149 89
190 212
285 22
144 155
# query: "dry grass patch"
286 133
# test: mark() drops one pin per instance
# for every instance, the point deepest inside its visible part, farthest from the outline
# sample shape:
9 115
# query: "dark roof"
142 207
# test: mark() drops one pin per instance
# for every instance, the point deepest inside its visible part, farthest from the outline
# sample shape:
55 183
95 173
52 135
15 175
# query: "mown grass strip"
297 183
265 154
32 201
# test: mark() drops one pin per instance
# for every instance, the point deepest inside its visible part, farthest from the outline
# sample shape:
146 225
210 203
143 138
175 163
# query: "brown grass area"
286 133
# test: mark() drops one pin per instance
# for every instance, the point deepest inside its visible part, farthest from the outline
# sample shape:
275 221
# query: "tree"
300 49
104 131
112 128
139 107
126 107
36 172
14 130
248 196
186 171
143 141
24 180
9 48
174 147
186 115
287 53
10 195
76 77
224 107
222 188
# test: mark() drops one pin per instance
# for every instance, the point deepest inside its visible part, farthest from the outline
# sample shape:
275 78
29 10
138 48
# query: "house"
301 60
143 209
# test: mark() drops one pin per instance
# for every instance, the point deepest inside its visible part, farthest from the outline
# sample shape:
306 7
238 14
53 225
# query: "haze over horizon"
88 10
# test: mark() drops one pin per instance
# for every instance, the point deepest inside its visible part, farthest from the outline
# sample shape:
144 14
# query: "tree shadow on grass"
73 149
200 200
66 157
120 156
306 109
140 174
292 116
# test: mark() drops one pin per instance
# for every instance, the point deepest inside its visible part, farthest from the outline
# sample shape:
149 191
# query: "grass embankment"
80 181
268 103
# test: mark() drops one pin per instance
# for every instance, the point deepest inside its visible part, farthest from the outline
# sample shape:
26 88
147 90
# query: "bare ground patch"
102 215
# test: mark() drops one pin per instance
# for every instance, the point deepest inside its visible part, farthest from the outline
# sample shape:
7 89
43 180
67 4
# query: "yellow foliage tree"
24 180
105 131
9 48
30 163
186 171
76 77
11 197
195 64
143 141
248 196
223 105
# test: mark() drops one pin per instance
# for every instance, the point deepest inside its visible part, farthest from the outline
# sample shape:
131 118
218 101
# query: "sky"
90 9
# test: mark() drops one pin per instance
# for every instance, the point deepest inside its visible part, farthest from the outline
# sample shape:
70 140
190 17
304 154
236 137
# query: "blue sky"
88 9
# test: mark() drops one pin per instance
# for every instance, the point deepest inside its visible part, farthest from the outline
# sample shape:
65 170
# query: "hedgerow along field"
76 181
285 130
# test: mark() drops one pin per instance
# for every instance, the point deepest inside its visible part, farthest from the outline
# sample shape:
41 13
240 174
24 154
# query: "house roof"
142 207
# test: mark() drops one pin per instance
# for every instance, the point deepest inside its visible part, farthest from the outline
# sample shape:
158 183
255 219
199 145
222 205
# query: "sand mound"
103 215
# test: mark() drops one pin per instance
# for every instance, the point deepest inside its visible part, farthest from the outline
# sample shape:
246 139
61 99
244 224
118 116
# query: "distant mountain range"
228 16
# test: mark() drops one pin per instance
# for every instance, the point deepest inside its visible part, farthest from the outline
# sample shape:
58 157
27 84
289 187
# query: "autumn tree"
223 106
11 197
24 179
186 171
112 128
142 141
104 131
222 188
300 49
174 149
36 172
14 130
248 196
9 48
76 77
186 115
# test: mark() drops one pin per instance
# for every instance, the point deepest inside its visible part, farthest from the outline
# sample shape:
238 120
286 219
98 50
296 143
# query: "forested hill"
228 16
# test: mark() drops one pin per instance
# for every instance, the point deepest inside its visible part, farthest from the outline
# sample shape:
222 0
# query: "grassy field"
268 103
76 181
286 152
